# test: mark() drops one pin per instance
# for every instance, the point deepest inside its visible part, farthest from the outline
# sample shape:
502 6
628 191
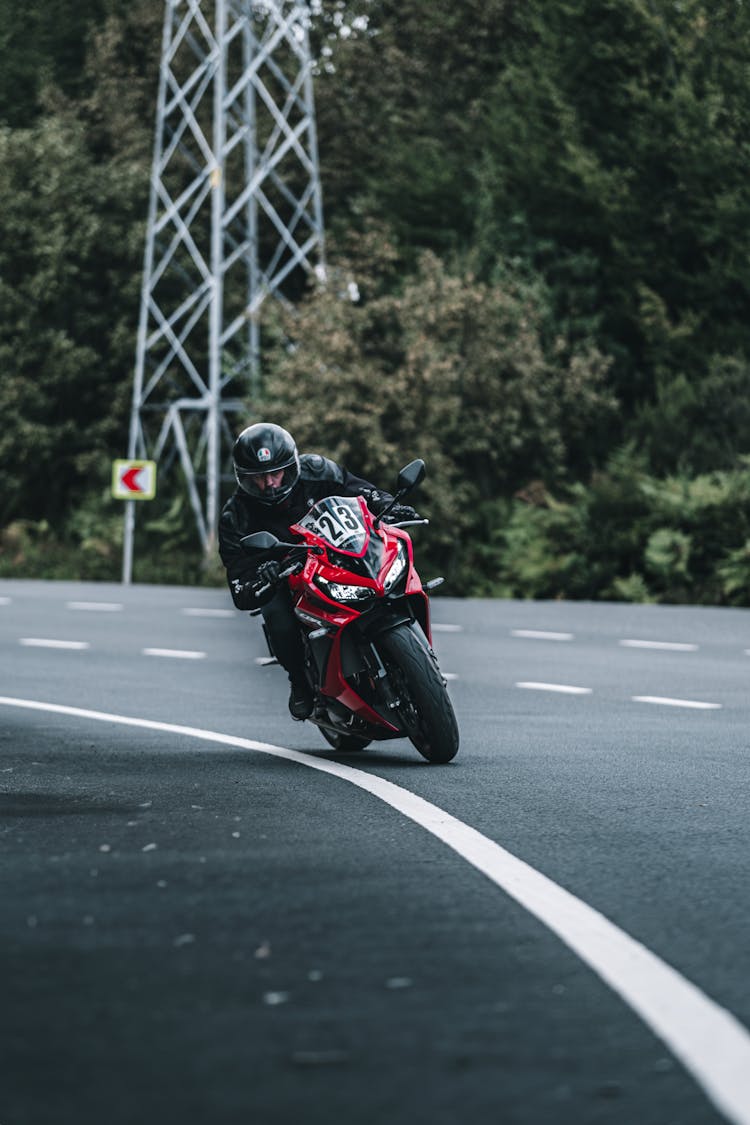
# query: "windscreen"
339 521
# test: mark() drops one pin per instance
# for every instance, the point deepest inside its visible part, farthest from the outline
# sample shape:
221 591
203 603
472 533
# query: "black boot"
300 697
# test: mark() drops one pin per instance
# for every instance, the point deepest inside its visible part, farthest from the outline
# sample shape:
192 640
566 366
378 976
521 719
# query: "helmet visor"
269 486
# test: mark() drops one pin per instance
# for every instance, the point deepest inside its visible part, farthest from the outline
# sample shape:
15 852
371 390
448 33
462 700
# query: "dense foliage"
538 225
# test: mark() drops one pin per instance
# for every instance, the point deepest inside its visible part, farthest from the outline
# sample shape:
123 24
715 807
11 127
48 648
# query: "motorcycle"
364 619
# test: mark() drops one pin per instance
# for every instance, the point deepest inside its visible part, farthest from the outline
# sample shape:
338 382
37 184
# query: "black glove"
401 512
377 501
267 573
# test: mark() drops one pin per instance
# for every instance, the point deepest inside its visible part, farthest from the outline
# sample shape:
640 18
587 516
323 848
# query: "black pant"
283 632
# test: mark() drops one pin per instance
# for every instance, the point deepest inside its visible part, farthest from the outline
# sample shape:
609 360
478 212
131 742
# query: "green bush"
629 536
459 372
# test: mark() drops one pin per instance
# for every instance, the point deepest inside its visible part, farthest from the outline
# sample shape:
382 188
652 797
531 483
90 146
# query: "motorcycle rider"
275 487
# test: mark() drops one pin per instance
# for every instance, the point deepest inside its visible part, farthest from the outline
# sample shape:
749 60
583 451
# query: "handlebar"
296 566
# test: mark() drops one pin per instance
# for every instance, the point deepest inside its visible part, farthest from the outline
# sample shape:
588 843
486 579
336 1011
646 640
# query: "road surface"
198 927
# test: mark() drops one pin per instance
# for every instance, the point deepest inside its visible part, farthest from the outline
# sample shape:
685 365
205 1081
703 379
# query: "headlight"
398 566
341 593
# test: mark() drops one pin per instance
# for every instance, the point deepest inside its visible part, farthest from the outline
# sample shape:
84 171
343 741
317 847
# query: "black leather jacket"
241 516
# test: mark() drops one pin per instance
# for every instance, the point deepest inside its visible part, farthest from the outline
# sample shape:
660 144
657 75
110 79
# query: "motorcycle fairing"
344 525
340 522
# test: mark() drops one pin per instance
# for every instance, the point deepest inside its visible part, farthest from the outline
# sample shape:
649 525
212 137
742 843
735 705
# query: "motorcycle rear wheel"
344 743
426 712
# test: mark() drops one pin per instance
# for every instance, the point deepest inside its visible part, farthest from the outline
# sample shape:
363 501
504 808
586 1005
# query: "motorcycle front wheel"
425 712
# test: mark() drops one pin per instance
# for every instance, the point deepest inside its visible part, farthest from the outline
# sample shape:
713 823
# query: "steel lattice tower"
235 212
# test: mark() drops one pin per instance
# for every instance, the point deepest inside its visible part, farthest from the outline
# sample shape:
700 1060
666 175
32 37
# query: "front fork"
377 672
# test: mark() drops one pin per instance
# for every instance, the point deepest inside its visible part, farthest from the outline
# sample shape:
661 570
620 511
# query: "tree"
615 162
399 103
601 144
452 370
71 245
42 42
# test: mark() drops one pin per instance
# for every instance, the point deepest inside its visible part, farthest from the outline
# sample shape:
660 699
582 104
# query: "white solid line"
177 653
539 635
566 689
668 646
450 675
709 1041
43 642
666 702
209 612
105 607
437 627
5 601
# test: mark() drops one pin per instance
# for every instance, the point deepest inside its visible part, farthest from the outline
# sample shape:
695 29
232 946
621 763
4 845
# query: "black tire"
426 713
344 743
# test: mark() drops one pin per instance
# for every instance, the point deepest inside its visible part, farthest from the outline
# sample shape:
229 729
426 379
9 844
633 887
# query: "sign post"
131 481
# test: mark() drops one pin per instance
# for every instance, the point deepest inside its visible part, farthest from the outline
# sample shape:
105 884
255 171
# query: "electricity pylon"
235 216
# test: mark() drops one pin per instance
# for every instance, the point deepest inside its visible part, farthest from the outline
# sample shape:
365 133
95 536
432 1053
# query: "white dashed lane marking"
209 612
102 607
666 646
44 642
438 627
664 701
541 635
566 689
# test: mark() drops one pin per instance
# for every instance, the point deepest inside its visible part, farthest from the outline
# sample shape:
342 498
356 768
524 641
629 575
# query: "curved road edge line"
709 1041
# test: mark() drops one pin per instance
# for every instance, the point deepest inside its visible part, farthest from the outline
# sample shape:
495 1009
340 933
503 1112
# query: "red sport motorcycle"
364 617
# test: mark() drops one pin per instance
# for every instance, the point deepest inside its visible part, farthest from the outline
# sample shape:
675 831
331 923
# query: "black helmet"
262 449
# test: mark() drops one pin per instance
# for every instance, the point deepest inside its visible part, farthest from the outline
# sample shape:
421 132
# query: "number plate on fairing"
338 520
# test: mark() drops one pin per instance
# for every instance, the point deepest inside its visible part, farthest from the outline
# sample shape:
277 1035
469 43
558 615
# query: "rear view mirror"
259 541
410 476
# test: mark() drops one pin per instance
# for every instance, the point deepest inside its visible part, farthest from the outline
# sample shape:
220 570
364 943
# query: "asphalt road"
199 931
